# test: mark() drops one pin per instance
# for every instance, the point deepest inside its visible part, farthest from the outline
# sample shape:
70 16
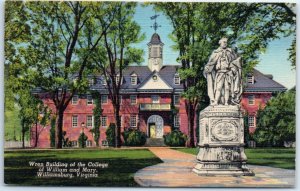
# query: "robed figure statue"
224 76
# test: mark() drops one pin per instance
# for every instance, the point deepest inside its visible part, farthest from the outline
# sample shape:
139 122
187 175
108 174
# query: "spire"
155 25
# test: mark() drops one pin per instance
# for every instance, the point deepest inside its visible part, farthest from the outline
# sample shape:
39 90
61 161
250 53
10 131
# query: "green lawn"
275 157
122 164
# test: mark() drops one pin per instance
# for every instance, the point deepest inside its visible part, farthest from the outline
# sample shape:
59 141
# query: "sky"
274 61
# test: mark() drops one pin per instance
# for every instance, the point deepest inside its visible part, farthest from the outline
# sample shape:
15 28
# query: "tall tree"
197 27
60 48
122 33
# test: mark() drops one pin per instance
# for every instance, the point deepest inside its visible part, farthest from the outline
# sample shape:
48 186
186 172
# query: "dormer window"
133 79
104 81
91 82
118 79
176 79
250 79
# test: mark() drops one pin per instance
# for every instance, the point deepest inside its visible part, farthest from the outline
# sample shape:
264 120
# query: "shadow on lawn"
120 171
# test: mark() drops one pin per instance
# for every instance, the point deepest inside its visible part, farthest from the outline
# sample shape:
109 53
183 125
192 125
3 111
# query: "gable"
152 84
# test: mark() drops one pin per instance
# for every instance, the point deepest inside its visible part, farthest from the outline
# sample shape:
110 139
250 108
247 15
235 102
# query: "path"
176 171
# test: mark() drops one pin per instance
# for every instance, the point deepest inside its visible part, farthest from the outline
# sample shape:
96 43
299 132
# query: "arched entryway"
155 126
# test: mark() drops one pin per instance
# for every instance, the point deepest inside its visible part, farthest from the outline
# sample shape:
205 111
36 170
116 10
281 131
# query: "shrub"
175 138
110 134
82 140
134 137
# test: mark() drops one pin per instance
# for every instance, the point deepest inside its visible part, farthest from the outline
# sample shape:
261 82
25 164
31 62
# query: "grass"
122 164
12 125
274 157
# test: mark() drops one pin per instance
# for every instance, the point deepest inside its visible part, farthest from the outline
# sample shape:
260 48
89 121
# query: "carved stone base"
222 143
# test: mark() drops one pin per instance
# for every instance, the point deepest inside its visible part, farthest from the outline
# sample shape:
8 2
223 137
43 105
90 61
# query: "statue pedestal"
222 142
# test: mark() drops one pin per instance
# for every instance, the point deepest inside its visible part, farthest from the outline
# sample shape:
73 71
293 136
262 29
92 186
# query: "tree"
197 27
28 105
64 35
276 123
118 55
97 112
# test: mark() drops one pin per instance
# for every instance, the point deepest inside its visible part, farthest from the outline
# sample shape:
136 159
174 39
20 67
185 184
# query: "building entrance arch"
155 126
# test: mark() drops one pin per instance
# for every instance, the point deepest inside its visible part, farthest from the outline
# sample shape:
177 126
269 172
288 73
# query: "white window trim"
91 81
135 99
250 81
73 116
253 99
254 121
105 121
73 102
158 100
106 99
136 120
175 81
155 76
175 99
176 125
87 121
87 100
135 81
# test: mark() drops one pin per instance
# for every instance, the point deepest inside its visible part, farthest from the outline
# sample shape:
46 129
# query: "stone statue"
224 73
221 124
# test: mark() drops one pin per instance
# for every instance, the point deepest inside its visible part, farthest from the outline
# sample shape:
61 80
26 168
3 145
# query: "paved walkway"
176 171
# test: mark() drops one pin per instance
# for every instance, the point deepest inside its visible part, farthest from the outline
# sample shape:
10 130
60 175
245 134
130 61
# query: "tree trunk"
118 127
36 134
191 117
59 129
23 134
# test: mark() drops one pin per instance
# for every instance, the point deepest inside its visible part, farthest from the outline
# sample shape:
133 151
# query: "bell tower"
155 48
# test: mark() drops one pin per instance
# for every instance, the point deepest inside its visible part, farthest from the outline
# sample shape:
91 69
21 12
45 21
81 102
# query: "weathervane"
155 25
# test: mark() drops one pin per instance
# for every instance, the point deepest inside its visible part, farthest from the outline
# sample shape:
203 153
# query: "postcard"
150 94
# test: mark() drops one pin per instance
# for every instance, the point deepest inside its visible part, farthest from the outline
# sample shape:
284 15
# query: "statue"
221 124
224 73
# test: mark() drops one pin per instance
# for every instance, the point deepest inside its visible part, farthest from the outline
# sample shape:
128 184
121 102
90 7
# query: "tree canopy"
276 123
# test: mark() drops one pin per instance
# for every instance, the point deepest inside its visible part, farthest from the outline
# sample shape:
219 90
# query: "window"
251 121
91 81
133 100
133 120
155 52
89 121
176 121
133 80
74 99
154 78
155 99
74 121
104 81
176 99
176 79
104 99
74 143
89 100
251 99
118 79
89 143
103 121
250 79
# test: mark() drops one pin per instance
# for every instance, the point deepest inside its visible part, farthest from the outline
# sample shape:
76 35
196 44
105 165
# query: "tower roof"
155 39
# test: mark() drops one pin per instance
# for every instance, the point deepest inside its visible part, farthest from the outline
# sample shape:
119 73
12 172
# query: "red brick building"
259 89
148 95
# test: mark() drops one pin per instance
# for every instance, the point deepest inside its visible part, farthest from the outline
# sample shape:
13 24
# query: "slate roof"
155 39
264 82
143 73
